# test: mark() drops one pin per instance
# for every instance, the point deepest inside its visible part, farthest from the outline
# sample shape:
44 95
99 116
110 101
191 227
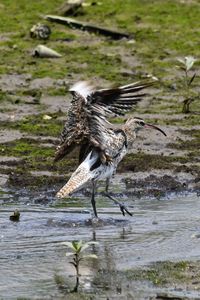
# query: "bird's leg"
93 198
121 206
107 184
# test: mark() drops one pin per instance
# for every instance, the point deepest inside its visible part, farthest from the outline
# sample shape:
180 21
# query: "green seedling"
186 65
78 247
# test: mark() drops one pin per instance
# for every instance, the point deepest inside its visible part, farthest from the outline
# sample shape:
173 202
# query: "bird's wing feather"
76 128
121 99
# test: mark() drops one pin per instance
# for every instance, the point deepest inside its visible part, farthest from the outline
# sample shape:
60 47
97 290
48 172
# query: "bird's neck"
130 135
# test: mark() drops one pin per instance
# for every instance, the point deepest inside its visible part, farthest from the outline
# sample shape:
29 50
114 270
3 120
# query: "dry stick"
86 26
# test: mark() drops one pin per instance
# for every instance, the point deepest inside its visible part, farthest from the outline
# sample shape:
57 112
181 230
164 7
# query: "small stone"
195 235
47 117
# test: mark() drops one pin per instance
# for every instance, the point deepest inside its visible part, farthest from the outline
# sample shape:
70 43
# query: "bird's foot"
122 207
124 210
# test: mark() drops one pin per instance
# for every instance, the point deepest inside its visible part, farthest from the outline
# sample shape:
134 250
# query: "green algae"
166 24
166 273
38 125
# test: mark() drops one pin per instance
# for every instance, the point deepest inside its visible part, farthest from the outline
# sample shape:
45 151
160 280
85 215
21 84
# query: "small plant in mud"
186 65
78 247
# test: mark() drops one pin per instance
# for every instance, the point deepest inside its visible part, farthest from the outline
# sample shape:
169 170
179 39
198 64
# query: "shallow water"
31 253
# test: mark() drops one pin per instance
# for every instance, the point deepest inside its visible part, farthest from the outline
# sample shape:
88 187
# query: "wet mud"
164 235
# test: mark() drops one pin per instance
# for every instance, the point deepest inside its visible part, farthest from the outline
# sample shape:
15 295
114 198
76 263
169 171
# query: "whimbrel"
92 169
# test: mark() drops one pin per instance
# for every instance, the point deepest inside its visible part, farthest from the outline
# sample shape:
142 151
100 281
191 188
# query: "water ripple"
31 252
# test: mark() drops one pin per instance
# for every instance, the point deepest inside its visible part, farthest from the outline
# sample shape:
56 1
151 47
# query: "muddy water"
32 256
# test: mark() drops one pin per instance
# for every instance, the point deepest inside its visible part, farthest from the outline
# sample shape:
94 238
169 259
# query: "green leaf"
77 245
69 244
189 61
181 60
74 243
86 245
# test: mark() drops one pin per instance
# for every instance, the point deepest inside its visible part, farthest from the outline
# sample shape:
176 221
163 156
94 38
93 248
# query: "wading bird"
103 145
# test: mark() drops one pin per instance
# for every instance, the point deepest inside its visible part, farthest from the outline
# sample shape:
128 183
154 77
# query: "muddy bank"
27 135
143 173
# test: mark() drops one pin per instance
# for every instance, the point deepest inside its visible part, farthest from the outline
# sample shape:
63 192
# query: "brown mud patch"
56 103
9 135
13 82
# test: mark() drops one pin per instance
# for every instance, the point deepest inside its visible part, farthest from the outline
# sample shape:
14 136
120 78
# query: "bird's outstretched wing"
87 123
121 99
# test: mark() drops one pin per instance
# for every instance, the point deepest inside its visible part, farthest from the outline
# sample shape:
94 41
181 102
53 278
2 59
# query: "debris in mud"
87 27
40 31
15 216
45 52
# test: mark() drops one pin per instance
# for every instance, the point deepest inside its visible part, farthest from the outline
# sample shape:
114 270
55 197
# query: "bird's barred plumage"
92 168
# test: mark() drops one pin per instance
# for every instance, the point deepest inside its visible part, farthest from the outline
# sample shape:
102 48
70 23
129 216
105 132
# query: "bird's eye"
141 123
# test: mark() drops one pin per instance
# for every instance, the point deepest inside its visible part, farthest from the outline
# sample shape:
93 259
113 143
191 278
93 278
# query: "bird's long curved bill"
155 127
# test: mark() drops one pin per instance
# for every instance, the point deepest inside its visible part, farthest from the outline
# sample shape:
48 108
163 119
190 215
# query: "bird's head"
137 124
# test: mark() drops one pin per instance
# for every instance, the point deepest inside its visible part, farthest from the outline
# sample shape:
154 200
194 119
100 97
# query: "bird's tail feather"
79 178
